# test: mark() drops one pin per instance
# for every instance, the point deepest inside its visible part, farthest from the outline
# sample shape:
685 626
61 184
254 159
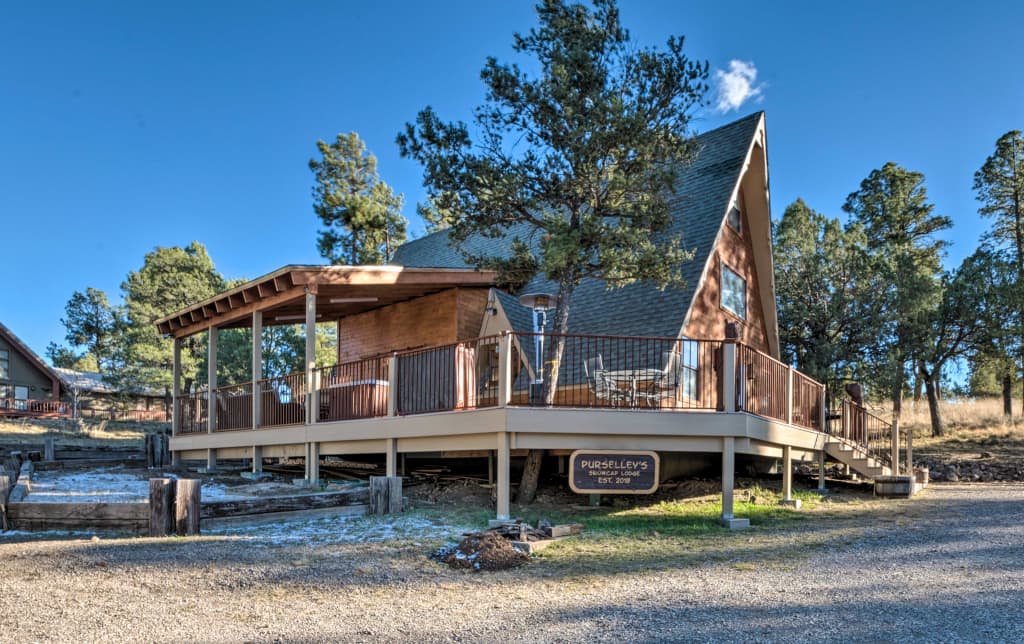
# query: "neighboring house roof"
27 353
705 191
94 383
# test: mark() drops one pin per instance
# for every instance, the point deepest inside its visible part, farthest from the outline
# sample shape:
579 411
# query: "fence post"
161 507
504 369
729 374
789 395
393 385
910 454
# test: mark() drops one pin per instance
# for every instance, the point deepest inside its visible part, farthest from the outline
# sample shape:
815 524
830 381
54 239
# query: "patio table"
634 378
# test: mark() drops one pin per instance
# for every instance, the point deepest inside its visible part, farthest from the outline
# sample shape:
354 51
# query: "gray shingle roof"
698 209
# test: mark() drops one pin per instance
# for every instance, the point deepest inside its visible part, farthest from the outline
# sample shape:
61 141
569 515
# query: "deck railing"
234 407
352 390
22 407
874 434
282 400
617 371
450 377
595 371
192 410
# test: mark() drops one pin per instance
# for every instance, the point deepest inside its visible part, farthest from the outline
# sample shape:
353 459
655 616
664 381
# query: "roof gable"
704 192
26 352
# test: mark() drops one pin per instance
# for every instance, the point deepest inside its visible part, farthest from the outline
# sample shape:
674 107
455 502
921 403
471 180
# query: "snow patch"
107 485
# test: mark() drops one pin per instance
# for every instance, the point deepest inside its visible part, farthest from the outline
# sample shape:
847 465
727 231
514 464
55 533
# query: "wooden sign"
596 471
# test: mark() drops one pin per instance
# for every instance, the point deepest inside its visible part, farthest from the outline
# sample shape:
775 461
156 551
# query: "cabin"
435 359
92 395
28 386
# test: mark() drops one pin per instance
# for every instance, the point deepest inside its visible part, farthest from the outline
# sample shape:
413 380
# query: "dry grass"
93 433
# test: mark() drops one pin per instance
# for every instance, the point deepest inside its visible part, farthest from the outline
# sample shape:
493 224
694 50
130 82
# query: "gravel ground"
946 566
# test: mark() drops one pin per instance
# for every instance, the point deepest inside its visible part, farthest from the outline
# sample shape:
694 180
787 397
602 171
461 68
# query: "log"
221 509
187 495
161 507
385 494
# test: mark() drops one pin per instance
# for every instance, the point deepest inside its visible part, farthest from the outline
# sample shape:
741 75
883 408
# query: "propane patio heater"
540 303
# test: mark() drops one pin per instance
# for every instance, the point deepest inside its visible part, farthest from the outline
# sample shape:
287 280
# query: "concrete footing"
792 503
257 476
735 524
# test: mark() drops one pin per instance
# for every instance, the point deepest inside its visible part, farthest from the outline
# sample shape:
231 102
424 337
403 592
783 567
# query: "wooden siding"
708 318
448 316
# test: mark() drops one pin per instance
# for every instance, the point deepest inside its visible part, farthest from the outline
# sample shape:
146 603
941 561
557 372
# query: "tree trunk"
1007 395
535 457
918 382
932 389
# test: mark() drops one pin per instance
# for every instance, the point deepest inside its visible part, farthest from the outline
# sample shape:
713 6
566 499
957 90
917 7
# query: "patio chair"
665 384
603 387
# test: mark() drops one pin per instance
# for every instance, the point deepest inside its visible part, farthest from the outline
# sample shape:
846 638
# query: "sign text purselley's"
613 472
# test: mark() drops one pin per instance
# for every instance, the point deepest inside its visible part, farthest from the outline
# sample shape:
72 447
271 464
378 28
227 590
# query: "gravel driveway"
946 566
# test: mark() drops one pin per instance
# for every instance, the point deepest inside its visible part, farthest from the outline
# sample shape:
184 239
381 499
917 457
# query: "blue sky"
124 126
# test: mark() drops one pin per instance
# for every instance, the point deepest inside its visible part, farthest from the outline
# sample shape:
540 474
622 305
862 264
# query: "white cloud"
736 86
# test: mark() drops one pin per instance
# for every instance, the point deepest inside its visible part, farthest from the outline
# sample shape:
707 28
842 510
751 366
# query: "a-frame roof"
27 353
703 196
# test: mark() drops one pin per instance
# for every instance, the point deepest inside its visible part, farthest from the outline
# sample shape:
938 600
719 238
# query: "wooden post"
391 457
789 395
821 469
49 449
504 479
176 389
822 411
257 459
728 475
385 494
211 381
895 449
161 507
187 499
5 491
909 465
311 291
150 450
504 369
393 385
257 366
787 473
312 463
729 375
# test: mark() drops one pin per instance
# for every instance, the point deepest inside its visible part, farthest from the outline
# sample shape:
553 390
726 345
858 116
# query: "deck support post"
257 459
909 464
787 478
312 463
821 471
504 482
728 483
211 380
391 457
211 460
895 450
729 375
257 367
789 396
175 389
393 385
504 369
311 412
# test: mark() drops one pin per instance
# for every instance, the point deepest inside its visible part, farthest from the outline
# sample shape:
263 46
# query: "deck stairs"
857 457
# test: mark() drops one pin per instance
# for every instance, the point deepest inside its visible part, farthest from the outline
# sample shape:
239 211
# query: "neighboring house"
434 359
28 386
95 397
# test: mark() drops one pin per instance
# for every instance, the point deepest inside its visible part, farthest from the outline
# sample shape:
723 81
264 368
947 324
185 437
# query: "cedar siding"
442 318
707 317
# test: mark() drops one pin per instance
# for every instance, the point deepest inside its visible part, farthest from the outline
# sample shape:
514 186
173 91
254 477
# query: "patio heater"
540 303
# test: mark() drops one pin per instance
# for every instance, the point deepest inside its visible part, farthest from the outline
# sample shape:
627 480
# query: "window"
734 292
20 397
735 219
689 362
5 365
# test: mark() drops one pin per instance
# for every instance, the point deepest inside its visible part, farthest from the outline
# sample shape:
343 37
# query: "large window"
734 292
5 365
689 363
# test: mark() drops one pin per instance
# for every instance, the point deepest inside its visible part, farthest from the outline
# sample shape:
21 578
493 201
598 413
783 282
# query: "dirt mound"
484 551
